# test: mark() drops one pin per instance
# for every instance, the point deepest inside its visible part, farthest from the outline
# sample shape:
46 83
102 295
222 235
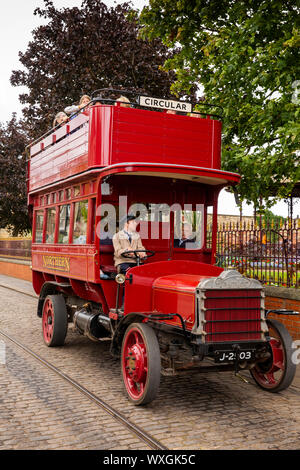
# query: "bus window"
209 227
92 219
39 222
80 222
188 230
76 191
50 225
151 212
64 224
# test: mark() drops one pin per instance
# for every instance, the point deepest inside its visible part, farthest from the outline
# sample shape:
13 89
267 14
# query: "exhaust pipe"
91 324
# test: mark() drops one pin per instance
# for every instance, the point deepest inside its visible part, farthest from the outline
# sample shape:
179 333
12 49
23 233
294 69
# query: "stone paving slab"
202 411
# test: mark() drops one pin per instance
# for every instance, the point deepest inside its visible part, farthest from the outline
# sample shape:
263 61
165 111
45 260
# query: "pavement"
17 284
26 288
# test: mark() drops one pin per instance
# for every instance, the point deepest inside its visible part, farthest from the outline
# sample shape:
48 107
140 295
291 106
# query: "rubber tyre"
284 340
54 320
141 341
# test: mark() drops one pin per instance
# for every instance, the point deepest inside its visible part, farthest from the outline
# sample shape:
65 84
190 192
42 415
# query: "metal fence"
267 252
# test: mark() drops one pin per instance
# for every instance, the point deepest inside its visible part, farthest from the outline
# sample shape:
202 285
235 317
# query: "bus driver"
127 240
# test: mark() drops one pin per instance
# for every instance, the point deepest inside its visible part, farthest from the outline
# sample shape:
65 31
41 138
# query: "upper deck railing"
106 133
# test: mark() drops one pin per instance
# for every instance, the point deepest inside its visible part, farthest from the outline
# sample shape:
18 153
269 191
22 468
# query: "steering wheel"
149 253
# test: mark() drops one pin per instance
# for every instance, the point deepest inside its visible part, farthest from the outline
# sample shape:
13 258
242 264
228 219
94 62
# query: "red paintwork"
248 309
109 135
120 135
190 173
167 287
62 159
176 294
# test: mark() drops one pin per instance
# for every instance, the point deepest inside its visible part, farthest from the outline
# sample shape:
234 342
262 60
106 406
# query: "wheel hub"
48 321
135 364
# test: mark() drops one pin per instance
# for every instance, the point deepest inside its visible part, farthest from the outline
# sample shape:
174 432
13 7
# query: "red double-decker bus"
160 161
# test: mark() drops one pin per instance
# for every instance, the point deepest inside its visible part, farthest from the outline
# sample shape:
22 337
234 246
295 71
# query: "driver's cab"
175 217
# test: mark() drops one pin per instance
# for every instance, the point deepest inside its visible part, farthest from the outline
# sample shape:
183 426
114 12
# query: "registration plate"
230 356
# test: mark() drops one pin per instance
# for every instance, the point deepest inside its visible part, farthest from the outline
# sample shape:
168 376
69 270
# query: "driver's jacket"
121 244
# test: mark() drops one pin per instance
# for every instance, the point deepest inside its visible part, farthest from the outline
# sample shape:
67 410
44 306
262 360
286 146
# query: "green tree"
268 218
245 54
13 200
80 50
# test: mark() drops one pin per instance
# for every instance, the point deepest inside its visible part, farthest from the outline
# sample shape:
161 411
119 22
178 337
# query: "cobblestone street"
38 410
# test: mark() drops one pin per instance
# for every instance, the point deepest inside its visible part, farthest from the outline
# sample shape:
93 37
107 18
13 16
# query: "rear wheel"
278 372
140 363
54 320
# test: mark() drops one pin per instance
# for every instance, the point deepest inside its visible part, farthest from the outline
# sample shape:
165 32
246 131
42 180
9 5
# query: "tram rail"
34 296
145 437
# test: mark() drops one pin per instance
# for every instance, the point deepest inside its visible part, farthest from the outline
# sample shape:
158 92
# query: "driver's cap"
127 218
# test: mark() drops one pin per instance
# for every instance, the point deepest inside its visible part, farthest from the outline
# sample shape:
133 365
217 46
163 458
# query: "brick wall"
284 298
16 268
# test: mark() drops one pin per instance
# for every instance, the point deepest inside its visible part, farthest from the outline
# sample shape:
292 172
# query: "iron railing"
269 252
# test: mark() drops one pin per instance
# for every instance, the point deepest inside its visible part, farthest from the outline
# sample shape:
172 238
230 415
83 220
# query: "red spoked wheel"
278 372
54 320
140 363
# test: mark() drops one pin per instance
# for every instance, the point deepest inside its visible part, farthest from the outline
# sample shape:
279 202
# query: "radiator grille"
232 315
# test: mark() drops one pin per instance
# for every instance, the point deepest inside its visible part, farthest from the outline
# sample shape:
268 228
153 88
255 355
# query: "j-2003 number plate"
230 356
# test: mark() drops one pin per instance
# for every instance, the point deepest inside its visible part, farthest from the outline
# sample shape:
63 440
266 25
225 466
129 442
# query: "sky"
17 22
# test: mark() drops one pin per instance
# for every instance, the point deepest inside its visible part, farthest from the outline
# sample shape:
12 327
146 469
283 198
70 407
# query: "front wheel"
278 372
140 363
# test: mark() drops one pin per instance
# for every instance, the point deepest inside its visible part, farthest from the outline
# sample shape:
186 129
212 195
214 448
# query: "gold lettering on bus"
59 263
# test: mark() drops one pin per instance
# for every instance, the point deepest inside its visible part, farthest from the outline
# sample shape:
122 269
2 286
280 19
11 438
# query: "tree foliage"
75 51
269 218
246 56
13 201
80 50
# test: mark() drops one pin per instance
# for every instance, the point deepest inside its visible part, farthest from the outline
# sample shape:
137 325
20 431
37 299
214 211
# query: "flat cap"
127 218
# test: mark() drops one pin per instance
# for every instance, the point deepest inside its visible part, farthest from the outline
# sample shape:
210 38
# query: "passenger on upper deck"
60 118
195 114
125 103
84 100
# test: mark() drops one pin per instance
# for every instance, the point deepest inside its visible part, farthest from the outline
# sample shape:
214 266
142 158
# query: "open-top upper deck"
109 134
